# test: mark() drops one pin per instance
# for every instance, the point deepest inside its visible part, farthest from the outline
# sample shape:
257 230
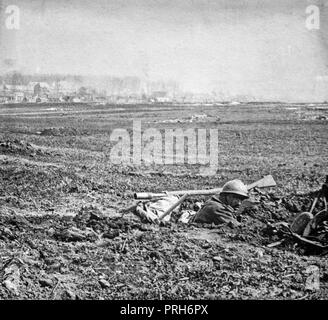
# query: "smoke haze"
257 48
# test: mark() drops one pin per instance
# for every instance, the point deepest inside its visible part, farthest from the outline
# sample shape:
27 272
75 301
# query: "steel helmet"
235 187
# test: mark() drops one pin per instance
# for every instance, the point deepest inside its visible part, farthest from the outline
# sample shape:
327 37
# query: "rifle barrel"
265 182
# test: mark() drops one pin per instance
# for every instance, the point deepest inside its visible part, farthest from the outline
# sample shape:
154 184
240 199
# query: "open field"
57 176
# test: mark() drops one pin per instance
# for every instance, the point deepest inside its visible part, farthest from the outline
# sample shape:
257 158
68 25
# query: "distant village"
127 90
64 91
16 88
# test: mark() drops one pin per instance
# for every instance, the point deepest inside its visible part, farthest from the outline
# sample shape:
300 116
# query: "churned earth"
66 231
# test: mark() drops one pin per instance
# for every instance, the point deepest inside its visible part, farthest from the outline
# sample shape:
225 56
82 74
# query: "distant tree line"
17 78
111 84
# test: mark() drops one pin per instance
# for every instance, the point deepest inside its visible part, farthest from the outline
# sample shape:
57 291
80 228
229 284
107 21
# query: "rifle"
265 182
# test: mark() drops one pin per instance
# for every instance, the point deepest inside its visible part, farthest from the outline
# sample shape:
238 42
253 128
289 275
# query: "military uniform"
215 211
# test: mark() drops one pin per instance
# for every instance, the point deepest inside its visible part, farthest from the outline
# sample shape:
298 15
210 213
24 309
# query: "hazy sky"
259 48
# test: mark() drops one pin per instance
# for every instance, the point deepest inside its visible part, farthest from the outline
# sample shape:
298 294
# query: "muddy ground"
65 232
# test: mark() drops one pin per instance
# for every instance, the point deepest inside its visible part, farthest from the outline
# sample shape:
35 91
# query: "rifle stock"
265 182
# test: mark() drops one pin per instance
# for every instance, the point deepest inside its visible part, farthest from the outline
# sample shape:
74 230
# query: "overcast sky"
259 48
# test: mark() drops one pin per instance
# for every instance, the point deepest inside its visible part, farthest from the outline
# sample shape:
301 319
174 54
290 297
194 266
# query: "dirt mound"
31 186
19 147
270 210
92 256
256 227
62 132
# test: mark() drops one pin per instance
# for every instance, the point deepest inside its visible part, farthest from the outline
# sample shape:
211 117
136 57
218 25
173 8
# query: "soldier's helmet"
235 187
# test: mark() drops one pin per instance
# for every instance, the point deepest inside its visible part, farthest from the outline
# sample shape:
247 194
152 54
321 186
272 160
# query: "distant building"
41 99
39 88
160 97
76 99
100 99
14 88
19 97
6 98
